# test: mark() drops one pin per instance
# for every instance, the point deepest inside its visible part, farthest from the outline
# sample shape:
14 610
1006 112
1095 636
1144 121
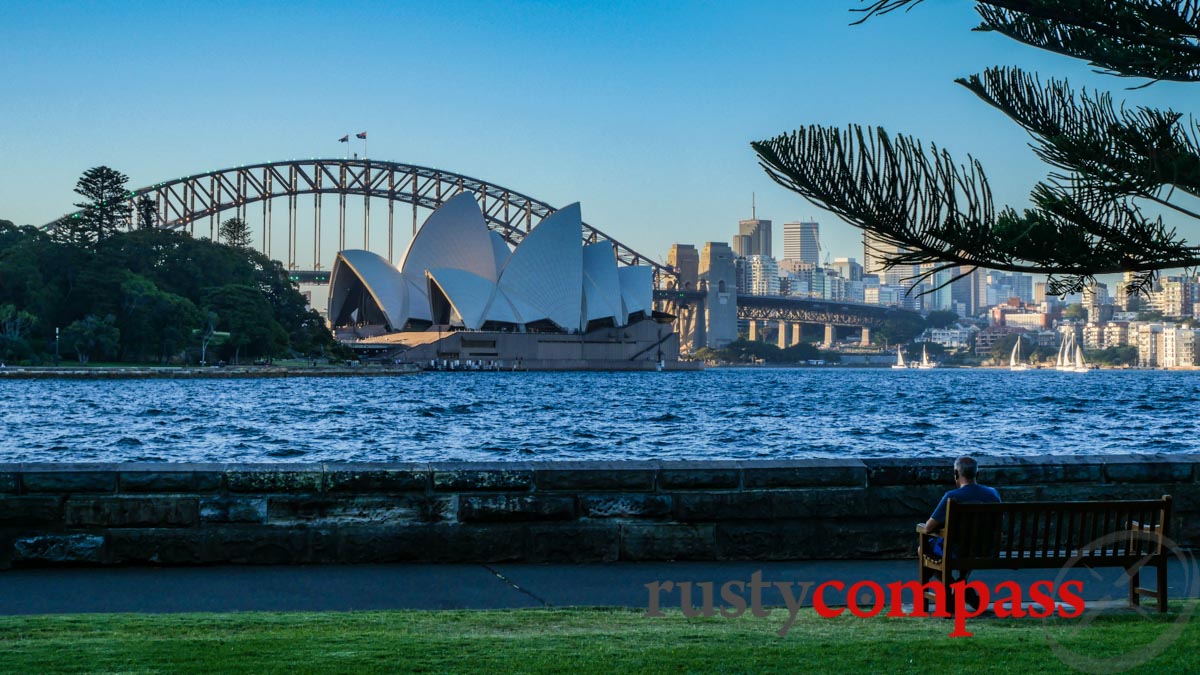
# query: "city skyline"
619 107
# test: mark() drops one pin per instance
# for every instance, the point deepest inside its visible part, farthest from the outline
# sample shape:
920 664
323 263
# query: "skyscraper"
874 252
801 241
754 237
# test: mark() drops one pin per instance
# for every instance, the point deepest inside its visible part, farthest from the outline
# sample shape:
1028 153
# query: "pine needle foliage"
1108 161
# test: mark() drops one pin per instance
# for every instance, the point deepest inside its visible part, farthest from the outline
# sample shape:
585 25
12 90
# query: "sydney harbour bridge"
287 203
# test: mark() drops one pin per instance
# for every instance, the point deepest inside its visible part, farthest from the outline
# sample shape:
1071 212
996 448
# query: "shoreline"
267 372
193 373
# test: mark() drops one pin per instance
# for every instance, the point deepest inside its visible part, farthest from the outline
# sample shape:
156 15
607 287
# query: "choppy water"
716 414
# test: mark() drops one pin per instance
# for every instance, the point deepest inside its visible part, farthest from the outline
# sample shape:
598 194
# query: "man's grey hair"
966 467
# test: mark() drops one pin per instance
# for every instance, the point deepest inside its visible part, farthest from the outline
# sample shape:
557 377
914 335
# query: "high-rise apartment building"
762 275
802 241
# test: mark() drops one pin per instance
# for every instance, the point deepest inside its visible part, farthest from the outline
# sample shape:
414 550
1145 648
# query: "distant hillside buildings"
1010 301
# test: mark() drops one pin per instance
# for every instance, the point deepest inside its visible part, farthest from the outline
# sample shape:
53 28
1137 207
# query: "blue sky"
642 111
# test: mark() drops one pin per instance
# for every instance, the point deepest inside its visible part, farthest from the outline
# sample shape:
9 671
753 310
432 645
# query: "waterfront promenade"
464 586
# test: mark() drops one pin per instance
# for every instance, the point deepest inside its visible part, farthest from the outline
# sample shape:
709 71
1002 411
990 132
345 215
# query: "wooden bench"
1048 535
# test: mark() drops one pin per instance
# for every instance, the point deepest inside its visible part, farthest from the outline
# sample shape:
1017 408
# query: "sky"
641 111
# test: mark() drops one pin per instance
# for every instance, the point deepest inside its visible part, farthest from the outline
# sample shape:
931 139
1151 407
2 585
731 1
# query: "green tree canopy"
234 232
104 212
156 284
147 213
246 314
1076 312
92 336
941 318
899 329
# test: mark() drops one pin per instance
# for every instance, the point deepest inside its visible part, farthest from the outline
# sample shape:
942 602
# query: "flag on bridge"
344 139
362 135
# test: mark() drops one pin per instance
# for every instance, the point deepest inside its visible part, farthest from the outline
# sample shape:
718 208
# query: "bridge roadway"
761 310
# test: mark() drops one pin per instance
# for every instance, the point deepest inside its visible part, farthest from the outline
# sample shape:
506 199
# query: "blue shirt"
971 493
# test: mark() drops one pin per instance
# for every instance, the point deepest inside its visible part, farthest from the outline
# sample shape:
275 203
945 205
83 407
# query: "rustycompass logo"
868 599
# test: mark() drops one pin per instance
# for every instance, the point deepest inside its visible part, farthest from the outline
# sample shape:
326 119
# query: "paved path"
453 586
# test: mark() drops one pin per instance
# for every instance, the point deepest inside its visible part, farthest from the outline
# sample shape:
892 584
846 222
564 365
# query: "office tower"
848 268
754 237
741 245
802 241
874 251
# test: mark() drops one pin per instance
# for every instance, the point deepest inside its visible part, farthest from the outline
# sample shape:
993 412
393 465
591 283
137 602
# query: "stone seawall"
109 514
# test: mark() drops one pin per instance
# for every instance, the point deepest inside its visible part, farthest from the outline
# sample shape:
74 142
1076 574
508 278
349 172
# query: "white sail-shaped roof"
546 270
475 278
505 309
454 236
601 285
637 288
500 250
418 298
382 281
469 294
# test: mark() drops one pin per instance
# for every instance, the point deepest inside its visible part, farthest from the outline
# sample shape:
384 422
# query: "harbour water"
755 413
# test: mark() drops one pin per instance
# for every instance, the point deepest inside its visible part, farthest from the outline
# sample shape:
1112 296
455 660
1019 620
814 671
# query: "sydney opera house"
460 297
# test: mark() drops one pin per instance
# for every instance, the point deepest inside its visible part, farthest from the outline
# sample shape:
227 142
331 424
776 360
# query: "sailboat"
899 364
1014 359
1064 353
1080 366
926 364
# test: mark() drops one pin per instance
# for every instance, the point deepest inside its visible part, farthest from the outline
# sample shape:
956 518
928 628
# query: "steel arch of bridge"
183 202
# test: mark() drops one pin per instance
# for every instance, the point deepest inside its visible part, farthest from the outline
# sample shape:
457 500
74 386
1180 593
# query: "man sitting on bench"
968 492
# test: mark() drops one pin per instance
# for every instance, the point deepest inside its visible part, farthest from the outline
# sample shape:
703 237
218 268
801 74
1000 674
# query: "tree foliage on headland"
146 295
1107 161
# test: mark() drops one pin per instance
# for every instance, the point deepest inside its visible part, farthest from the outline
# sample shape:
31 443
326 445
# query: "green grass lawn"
579 640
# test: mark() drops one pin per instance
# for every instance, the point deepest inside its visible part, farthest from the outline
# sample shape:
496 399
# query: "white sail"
899 359
926 364
1080 366
1014 359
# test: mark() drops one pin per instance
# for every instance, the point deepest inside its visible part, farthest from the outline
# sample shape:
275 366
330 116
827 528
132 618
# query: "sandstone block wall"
111 514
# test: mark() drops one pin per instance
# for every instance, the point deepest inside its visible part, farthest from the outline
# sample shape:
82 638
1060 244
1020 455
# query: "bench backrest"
1044 532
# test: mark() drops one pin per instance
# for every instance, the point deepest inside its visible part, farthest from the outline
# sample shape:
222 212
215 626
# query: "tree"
154 323
91 336
247 316
235 232
1003 347
1115 356
1107 161
15 326
898 329
15 323
105 212
147 212
941 318
1076 312
208 330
